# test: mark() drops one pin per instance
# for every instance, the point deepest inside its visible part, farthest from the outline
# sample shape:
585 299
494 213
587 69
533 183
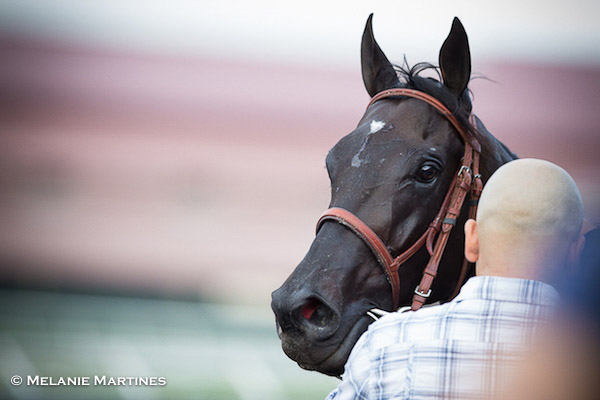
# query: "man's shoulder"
509 303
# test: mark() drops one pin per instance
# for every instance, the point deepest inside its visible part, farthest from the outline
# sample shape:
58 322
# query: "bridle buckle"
418 292
464 168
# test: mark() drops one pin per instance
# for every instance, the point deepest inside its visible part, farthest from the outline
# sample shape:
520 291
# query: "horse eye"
426 173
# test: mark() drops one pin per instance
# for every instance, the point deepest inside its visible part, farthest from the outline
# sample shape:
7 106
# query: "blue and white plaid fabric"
463 349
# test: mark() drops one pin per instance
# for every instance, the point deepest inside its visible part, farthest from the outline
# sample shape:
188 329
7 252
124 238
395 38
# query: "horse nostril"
318 314
304 316
309 308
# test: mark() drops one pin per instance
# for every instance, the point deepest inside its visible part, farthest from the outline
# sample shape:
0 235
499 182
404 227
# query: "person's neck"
510 270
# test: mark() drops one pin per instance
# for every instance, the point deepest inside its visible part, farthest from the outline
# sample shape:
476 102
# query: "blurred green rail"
205 351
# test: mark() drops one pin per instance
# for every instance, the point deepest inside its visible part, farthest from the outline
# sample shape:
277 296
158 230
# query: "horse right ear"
455 59
377 71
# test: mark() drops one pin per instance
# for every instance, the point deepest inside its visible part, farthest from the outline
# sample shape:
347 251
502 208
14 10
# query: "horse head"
392 172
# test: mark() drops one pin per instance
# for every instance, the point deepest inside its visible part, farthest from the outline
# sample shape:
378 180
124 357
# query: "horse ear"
455 59
377 71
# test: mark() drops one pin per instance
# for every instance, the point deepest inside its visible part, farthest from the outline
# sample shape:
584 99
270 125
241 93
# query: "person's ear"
471 241
575 253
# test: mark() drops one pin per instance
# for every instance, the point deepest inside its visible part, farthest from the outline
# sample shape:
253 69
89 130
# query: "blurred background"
162 168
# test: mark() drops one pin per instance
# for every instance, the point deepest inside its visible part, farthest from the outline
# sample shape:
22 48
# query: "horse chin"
332 362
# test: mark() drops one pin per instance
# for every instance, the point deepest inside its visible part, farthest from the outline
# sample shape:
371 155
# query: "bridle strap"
376 245
476 189
467 180
435 103
459 192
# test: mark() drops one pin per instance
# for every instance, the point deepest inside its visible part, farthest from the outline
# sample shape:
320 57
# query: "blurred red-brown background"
180 150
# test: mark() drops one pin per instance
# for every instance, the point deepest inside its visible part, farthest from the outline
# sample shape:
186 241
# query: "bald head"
529 219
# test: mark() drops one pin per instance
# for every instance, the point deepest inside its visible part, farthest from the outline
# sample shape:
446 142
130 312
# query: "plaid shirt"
448 351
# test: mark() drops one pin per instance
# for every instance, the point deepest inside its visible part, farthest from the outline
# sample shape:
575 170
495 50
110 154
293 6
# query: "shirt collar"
508 289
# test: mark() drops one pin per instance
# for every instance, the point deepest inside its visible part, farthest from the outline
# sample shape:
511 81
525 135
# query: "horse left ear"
455 59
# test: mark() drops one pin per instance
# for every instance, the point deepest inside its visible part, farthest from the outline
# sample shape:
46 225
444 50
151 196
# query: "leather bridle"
466 180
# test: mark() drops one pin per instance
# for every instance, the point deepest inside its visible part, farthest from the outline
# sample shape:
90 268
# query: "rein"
467 179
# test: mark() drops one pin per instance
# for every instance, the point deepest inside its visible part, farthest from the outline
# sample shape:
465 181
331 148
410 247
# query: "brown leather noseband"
467 179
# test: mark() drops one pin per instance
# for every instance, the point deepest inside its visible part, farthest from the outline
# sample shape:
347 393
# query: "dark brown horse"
393 172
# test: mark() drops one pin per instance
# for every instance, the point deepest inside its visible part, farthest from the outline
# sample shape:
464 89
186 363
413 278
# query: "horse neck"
494 153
